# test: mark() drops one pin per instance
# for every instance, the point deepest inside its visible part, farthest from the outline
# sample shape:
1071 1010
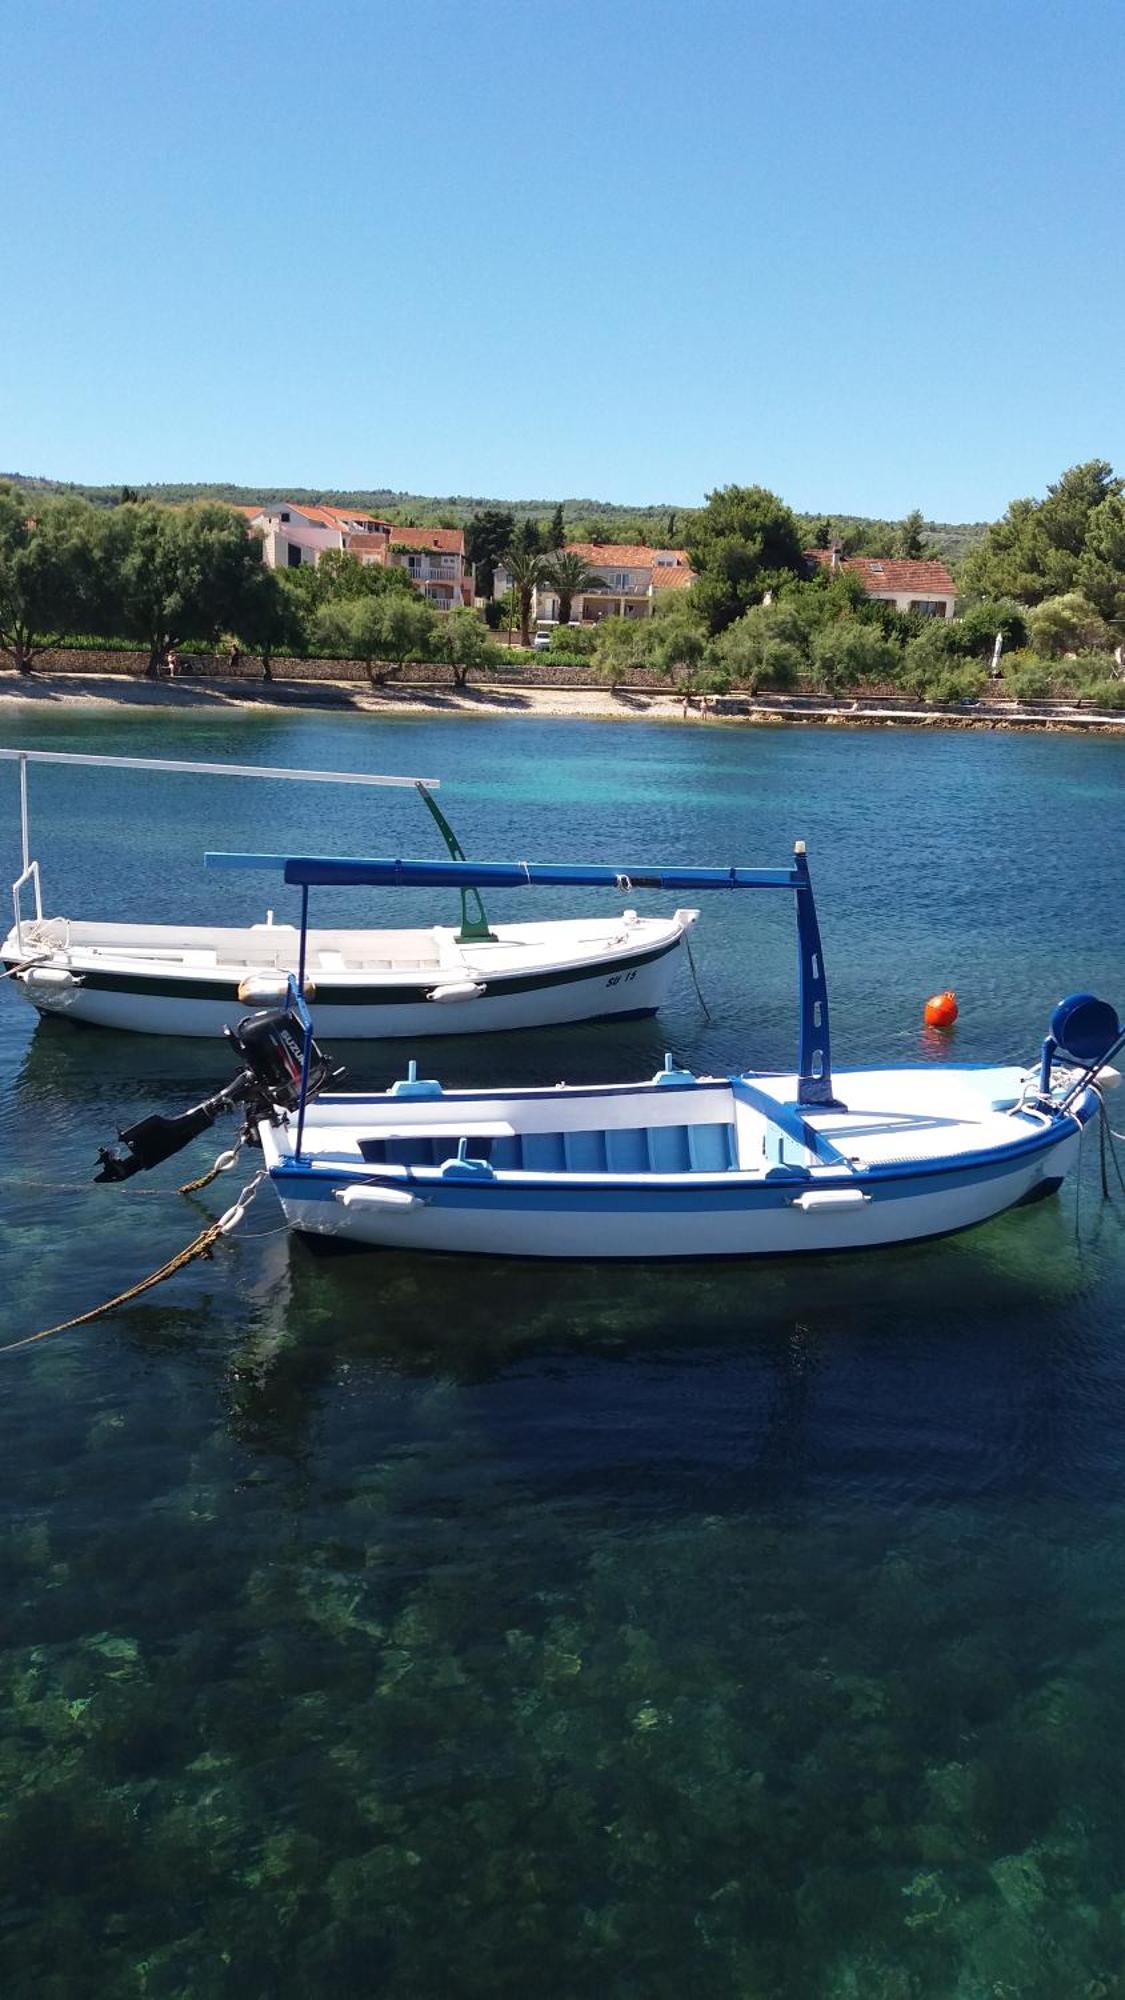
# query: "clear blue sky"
867 254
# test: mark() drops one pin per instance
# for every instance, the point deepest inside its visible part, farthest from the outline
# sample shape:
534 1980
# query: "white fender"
826 1198
52 978
269 989
456 989
376 1197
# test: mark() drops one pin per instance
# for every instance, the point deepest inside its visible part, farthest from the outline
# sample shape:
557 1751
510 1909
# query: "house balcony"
431 572
612 605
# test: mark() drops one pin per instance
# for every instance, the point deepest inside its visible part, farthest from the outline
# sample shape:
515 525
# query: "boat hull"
705 1223
608 985
649 1217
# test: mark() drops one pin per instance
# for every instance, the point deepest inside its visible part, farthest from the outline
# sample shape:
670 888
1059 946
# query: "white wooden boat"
447 979
681 1166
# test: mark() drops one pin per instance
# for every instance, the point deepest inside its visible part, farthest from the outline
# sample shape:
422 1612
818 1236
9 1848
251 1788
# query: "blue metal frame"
296 999
814 1061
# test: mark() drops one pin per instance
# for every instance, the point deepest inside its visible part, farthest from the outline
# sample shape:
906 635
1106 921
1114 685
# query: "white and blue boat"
680 1166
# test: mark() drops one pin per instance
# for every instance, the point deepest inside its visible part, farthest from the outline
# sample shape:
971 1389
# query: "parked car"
541 640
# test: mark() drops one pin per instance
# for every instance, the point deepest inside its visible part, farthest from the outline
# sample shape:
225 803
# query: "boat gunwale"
343 987
1063 1125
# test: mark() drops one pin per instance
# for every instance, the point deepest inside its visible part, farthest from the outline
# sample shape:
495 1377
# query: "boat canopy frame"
474 920
814 1057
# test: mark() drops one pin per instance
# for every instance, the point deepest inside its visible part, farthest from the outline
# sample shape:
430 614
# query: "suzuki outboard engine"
270 1046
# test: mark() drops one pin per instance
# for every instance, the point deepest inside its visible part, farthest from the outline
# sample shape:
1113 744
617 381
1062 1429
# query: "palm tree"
570 574
527 569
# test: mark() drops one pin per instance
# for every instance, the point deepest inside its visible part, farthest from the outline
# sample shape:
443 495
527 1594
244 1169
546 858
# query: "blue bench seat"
637 1149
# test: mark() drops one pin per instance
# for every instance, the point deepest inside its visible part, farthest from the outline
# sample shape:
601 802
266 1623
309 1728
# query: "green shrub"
931 657
1081 672
1027 678
576 642
957 682
780 667
748 649
87 642
1065 624
976 628
850 653
1106 693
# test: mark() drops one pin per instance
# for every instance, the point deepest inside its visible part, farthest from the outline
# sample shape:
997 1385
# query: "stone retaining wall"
542 673
217 666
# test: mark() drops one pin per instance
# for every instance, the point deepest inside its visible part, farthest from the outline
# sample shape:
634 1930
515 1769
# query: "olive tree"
383 631
620 646
176 573
50 573
271 618
466 644
849 653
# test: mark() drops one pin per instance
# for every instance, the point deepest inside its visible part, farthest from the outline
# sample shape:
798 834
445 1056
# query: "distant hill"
653 524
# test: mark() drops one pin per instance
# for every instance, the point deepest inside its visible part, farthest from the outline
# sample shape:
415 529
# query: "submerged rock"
1019 1879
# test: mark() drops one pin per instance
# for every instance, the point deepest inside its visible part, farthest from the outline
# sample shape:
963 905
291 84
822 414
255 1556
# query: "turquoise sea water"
383 1625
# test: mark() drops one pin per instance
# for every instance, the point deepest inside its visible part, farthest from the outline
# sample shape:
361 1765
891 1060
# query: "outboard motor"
270 1046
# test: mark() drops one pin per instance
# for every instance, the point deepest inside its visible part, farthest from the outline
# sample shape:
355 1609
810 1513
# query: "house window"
285 517
928 607
292 555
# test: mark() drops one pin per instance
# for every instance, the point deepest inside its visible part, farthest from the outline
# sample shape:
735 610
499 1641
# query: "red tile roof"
450 540
665 577
898 579
318 517
622 555
342 514
321 517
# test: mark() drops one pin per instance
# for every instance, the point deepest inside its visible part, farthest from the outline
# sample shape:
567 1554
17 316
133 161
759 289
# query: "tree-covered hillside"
585 520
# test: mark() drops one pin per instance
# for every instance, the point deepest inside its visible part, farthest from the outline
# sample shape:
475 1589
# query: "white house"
293 536
923 587
633 578
435 559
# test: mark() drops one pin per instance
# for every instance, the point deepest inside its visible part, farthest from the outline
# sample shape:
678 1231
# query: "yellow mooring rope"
222 1165
200 1246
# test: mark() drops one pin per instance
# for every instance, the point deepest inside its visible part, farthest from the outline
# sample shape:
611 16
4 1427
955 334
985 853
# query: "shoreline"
58 692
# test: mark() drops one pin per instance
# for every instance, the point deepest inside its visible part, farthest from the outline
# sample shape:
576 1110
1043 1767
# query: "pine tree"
910 541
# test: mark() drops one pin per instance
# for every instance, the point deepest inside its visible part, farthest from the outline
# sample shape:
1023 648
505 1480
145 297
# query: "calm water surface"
383 1625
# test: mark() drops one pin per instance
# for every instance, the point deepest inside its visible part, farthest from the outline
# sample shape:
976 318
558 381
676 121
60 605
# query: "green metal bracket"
474 919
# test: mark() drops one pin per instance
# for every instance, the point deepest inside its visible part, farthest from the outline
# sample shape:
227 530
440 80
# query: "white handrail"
30 874
215 770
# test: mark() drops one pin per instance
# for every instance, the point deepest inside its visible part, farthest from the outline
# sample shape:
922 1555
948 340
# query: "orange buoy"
940 1010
